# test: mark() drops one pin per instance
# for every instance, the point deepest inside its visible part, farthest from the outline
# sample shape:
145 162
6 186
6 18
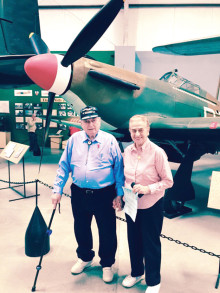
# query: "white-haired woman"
147 166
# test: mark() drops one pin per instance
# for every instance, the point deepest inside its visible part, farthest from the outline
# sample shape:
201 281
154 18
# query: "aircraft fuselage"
117 103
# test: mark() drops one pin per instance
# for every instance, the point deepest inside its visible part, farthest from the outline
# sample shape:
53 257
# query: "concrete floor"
183 269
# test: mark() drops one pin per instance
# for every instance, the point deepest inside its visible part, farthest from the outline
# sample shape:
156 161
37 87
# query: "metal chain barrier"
162 236
123 220
51 187
190 246
22 183
181 243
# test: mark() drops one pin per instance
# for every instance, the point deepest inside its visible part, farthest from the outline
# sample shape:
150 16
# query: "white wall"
147 27
60 27
144 28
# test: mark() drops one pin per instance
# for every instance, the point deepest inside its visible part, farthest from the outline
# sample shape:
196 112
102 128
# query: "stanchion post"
24 178
218 278
36 190
9 175
38 268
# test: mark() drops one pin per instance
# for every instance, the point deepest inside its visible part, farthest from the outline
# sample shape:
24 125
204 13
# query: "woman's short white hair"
140 117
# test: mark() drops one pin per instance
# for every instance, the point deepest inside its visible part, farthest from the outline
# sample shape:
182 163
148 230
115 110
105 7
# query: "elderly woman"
147 166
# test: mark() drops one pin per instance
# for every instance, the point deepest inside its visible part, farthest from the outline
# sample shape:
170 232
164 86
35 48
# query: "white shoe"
130 281
107 274
79 266
153 289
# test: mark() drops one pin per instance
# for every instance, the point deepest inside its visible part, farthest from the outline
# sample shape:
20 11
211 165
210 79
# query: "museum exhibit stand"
14 153
56 141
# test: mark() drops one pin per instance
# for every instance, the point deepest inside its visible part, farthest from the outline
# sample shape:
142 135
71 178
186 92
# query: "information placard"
214 192
14 152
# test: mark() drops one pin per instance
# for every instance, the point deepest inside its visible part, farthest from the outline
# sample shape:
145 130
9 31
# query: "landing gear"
176 209
182 189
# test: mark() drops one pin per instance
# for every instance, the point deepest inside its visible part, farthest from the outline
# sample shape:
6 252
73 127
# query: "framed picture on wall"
44 93
54 112
23 93
61 106
37 106
39 120
19 119
38 112
18 106
28 106
61 113
19 112
28 112
19 126
70 113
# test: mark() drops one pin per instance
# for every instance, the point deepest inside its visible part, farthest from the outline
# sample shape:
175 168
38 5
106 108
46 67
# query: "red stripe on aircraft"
213 125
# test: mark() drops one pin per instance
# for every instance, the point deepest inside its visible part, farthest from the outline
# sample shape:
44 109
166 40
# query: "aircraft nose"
47 72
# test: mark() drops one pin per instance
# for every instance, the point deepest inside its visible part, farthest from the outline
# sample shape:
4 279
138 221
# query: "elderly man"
94 159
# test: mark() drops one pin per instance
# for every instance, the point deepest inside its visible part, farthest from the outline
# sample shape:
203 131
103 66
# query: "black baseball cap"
88 112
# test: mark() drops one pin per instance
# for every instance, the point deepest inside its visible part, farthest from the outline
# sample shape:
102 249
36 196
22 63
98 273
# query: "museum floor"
183 269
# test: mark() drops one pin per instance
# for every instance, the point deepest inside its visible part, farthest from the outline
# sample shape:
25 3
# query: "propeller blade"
51 98
38 44
92 32
46 129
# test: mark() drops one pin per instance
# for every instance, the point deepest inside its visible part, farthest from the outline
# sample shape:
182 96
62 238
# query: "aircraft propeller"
92 32
54 73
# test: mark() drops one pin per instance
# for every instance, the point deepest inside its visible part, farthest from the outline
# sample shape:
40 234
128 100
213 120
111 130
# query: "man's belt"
90 191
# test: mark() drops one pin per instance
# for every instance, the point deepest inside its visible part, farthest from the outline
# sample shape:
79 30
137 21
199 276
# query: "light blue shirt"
92 166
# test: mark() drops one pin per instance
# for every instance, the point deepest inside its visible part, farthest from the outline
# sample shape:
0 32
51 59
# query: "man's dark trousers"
87 203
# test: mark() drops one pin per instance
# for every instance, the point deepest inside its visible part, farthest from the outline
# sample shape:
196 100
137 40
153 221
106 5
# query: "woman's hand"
141 189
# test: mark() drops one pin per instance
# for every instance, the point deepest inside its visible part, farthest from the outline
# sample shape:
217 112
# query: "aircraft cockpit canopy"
180 82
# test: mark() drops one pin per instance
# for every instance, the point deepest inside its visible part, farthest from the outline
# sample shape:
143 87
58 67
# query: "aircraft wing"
176 129
195 129
104 126
189 48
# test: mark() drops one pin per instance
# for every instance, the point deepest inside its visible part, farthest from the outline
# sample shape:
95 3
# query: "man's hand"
56 198
117 203
141 189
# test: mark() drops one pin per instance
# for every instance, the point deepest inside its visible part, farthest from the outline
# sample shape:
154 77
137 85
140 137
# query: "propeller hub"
46 71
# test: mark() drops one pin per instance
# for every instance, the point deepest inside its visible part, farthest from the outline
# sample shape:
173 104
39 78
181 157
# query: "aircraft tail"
17 20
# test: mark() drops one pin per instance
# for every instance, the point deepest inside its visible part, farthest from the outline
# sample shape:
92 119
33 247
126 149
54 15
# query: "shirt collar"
97 137
143 147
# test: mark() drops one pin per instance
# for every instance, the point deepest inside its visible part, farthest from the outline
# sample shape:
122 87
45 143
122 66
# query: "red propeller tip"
46 71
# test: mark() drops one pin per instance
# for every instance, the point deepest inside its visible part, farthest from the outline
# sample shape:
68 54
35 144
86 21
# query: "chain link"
22 183
123 220
190 246
51 187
